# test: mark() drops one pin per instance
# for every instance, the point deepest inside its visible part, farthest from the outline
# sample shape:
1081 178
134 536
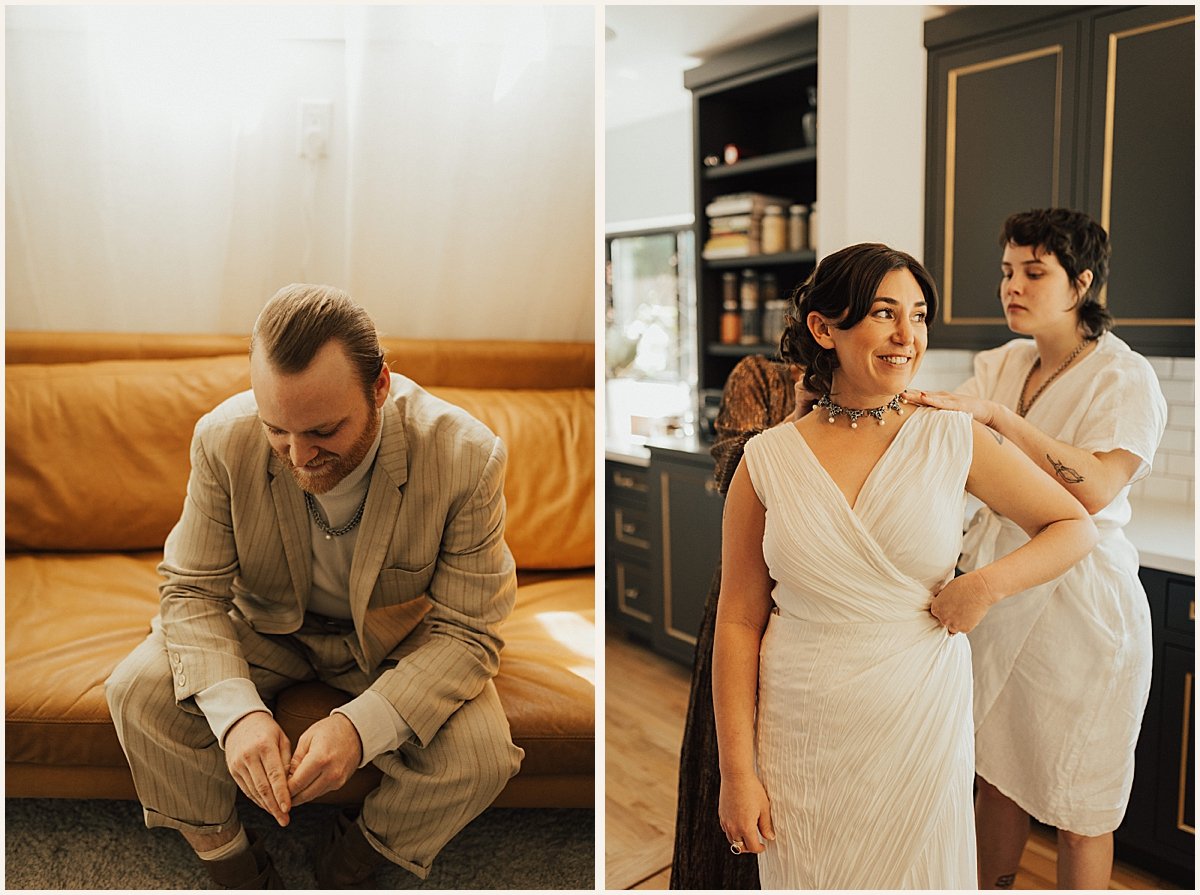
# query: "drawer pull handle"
1192 611
622 480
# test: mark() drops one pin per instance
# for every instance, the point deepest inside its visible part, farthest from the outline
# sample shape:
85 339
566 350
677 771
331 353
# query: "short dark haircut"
843 283
1079 244
300 319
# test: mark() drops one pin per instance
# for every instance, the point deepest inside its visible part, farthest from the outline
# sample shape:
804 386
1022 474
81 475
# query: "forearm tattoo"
1006 881
1064 472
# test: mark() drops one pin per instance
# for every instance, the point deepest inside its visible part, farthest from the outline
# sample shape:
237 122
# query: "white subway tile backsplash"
1178 391
1181 465
1185 368
1181 416
1177 440
1163 366
1167 490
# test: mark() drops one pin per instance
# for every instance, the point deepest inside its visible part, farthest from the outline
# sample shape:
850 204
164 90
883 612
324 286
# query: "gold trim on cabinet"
1183 754
951 146
619 532
1110 113
670 629
636 613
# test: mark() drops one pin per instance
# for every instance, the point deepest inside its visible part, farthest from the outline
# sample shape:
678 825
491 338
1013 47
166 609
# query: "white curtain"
154 181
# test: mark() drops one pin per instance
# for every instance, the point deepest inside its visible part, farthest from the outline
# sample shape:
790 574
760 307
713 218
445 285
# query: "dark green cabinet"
1159 830
1083 107
687 508
662 547
630 598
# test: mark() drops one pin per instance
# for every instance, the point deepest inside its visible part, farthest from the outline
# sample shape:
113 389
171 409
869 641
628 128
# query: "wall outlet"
316 122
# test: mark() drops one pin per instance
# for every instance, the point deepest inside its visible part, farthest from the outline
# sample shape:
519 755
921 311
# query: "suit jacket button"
181 680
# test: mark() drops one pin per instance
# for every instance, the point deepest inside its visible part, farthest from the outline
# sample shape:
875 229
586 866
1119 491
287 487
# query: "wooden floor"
646 701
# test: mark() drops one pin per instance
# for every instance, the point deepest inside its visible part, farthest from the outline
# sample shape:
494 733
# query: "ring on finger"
737 846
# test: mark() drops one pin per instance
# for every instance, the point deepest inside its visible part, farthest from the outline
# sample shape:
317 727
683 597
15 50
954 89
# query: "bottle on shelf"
731 314
751 312
797 228
774 231
773 309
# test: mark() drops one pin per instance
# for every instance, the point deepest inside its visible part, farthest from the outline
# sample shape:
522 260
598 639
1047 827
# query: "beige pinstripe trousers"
427 794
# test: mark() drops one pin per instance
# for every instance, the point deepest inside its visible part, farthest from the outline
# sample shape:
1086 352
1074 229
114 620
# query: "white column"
871 127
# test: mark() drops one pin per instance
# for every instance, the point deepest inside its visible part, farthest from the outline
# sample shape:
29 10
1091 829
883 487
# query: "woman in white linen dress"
838 612
1062 672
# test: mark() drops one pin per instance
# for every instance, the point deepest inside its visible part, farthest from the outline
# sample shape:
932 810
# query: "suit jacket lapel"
384 496
294 529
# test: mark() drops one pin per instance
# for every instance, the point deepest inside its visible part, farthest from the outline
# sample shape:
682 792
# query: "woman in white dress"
841 692
1062 672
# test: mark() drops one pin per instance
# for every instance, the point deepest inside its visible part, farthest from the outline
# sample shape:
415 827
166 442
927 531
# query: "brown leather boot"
250 869
347 859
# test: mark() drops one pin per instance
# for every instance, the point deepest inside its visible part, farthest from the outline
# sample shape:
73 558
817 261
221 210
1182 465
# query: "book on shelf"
743 204
733 223
730 245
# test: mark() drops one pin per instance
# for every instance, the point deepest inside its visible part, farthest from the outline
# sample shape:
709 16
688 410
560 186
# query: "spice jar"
797 228
773 309
774 231
751 313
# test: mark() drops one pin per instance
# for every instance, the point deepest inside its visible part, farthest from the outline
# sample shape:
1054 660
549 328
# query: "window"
650 331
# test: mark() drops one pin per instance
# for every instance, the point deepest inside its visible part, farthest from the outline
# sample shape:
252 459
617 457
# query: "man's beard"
335 466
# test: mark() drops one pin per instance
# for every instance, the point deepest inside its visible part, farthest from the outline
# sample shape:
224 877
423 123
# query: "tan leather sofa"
98 427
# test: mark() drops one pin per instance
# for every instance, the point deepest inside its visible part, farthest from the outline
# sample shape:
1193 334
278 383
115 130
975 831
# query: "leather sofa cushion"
69 619
550 496
97 455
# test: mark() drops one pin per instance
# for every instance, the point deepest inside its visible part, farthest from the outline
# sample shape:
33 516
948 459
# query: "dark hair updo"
1079 244
842 288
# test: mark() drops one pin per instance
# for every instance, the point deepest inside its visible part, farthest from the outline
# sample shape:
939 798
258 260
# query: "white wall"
871 127
153 181
648 169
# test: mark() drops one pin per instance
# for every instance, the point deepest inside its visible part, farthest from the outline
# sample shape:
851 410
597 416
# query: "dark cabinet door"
1140 171
1002 139
690 508
1175 822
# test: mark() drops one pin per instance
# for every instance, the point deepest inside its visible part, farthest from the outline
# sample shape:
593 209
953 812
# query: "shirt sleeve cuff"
379 725
227 702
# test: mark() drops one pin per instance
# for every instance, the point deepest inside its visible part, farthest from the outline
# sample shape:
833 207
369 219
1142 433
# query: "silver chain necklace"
835 410
331 533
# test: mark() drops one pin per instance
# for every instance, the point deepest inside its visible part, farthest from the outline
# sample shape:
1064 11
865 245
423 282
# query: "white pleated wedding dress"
865 739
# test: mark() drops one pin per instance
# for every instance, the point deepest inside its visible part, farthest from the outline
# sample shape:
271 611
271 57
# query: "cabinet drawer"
1181 605
627 483
633 591
631 527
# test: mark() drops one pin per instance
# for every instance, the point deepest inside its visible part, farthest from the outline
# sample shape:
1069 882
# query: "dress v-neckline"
824 473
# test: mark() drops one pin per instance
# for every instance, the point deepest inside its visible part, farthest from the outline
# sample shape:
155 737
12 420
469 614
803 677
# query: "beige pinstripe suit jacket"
431 577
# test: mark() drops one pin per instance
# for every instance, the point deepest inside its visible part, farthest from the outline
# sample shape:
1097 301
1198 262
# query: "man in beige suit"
341 524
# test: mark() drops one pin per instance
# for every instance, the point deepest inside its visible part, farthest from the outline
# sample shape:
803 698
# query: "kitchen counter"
1164 534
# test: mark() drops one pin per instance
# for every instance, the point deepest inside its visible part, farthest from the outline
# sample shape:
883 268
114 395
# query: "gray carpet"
97 844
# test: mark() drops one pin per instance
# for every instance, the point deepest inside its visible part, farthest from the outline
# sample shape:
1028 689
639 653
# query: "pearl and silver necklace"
826 403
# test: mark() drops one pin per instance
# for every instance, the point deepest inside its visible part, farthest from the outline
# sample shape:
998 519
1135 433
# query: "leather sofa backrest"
97 454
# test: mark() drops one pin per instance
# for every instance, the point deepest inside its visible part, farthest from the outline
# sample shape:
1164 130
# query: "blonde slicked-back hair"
299 319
